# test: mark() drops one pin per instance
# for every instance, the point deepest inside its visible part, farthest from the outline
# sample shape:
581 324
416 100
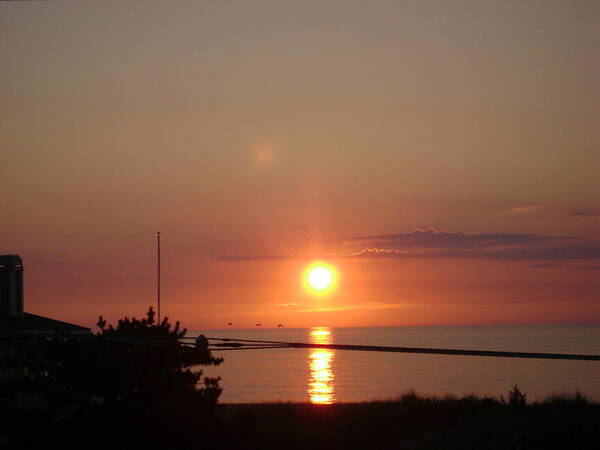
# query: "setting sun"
319 278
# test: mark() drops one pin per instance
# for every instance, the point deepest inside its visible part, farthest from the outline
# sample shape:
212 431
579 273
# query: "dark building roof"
32 324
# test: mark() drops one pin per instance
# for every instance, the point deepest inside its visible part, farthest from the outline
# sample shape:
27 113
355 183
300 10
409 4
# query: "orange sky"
443 156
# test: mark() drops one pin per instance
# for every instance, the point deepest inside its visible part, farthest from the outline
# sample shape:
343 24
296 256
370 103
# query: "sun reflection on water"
321 382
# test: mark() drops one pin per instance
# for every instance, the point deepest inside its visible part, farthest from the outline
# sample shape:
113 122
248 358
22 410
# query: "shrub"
516 398
133 379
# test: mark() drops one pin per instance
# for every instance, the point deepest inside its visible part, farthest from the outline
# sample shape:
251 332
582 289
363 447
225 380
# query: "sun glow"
319 278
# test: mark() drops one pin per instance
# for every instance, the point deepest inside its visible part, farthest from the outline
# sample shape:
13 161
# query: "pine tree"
135 375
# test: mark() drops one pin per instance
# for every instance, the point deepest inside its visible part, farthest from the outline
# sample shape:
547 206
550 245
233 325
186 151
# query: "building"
13 319
11 286
20 331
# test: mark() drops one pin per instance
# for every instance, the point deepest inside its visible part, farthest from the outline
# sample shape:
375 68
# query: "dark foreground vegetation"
131 386
414 422
410 422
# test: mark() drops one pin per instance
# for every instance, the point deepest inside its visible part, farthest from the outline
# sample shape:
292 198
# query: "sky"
443 156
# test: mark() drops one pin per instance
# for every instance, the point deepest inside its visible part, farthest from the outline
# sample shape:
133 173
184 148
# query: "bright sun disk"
320 278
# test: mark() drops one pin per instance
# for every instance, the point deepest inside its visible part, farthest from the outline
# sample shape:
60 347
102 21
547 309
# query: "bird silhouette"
280 325
259 325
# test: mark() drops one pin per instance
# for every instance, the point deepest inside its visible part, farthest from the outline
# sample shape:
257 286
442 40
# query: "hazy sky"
444 156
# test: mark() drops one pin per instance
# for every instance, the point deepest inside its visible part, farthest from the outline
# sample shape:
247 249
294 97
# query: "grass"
415 422
411 421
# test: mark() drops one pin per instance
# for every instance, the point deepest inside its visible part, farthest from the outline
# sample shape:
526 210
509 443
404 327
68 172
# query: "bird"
259 325
229 324
280 325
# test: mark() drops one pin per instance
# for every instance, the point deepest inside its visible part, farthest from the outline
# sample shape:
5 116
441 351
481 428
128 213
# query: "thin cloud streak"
445 239
584 214
371 306
585 268
546 266
525 210
258 257
591 251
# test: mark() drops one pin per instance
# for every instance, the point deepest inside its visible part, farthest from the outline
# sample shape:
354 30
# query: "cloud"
378 251
584 214
554 253
560 266
522 210
367 306
256 257
587 268
545 266
562 252
445 239
431 244
421 244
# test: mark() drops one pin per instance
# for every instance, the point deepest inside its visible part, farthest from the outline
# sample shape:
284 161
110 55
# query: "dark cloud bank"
508 246
443 244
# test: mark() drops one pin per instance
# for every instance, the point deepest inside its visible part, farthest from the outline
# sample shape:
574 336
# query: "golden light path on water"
321 382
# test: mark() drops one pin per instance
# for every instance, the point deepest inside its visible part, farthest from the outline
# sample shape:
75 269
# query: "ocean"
329 376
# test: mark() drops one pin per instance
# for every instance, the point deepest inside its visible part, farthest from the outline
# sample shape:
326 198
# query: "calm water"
325 376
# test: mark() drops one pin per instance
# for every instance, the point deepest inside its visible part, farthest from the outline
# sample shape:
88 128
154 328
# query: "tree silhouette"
132 377
516 398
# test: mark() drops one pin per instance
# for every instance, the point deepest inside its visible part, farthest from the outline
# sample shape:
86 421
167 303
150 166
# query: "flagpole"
158 273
